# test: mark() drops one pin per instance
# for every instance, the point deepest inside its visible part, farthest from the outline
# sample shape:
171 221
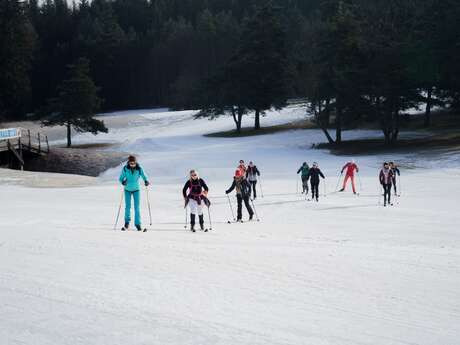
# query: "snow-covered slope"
341 271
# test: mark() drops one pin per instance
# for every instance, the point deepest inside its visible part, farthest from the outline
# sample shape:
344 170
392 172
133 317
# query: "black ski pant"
304 184
192 220
394 184
314 189
254 191
239 199
386 193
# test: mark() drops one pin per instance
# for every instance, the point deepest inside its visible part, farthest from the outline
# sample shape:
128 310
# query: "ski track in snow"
341 271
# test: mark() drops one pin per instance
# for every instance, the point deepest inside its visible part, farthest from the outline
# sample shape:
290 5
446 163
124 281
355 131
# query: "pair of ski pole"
121 202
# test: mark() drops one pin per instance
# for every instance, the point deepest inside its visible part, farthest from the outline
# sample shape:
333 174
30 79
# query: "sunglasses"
194 175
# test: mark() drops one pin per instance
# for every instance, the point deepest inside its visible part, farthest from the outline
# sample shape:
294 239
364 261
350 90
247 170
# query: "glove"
147 183
226 192
124 183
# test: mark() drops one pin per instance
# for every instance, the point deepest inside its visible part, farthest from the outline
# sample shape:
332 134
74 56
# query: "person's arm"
186 187
122 177
144 176
321 173
397 171
257 171
344 167
300 169
232 187
381 177
204 185
357 169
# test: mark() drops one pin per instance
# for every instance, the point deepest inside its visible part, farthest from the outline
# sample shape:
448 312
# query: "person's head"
386 165
132 161
315 165
241 162
251 164
392 164
304 163
238 173
193 174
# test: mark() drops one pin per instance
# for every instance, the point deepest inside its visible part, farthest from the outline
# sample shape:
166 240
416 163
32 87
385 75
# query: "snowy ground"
341 271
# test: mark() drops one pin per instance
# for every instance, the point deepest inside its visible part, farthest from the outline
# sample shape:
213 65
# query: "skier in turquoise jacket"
129 178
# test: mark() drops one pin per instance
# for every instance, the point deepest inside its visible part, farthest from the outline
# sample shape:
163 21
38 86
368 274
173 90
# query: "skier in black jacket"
395 172
251 175
243 193
314 173
197 195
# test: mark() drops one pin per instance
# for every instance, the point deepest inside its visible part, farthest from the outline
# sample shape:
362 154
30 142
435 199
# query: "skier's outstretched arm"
321 174
232 187
186 187
122 177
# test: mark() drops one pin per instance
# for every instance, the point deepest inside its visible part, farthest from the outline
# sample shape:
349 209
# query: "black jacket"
242 186
314 175
196 188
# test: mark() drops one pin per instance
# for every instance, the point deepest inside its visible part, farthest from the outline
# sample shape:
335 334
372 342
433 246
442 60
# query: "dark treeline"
353 60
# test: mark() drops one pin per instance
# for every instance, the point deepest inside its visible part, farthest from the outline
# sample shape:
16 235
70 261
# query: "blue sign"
9 133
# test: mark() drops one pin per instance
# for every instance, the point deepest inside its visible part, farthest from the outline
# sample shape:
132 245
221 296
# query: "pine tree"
76 103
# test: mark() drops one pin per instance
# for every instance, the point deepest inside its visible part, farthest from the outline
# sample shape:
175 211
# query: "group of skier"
195 190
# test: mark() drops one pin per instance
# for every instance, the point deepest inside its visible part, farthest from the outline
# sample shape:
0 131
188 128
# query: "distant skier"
314 173
195 193
129 178
351 167
304 169
251 174
386 178
243 193
396 171
242 167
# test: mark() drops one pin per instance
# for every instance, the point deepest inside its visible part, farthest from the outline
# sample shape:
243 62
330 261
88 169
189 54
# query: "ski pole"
261 190
231 208
148 203
400 188
360 183
297 185
255 211
209 217
380 195
186 217
325 188
338 181
119 209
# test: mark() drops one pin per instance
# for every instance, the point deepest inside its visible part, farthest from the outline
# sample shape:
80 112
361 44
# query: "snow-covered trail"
341 271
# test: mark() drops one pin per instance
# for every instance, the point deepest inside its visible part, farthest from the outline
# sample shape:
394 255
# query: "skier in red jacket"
350 174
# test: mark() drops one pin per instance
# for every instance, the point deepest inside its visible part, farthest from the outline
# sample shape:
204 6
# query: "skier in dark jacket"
386 178
304 169
251 175
395 172
195 194
243 193
314 173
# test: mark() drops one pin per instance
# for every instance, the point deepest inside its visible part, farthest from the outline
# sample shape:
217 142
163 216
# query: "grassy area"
443 139
247 132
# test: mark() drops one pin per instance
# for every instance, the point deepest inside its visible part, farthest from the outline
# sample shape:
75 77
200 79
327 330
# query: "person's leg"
353 183
137 209
394 185
312 185
254 183
345 180
200 214
239 210
389 193
193 211
248 206
317 190
127 207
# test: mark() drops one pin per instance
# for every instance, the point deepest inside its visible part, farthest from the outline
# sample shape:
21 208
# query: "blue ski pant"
137 212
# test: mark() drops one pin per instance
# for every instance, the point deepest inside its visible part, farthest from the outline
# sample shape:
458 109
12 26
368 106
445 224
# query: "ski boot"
201 218
192 223
126 227
251 216
342 190
138 227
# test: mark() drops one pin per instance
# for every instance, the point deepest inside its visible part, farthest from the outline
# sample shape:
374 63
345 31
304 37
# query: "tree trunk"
257 120
239 120
69 135
234 117
429 100
338 125
320 121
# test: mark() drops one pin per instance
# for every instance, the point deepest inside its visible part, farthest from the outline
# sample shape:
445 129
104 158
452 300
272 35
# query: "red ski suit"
350 174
